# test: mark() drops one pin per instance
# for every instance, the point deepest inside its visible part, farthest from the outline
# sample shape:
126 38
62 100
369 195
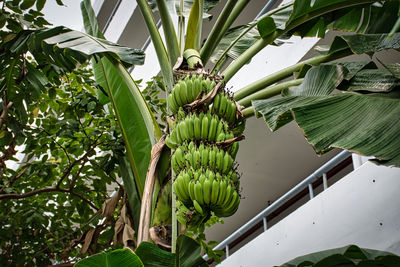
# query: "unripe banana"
172 103
183 129
232 116
222 105
190 126
226 162
179 157
204 157
213 129
234 149
191 190
181 114
222 193
229 193
197 128
171 144
189 158
204 128
214 192
177 131
212 85
219 160
220 128
197 206
212 157
177 94
197 86
232 206
216 103
196 159
221 137
207 191
198 193
183 91
174 164
189 87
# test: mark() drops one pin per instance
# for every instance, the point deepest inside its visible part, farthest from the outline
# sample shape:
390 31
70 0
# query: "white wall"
361 209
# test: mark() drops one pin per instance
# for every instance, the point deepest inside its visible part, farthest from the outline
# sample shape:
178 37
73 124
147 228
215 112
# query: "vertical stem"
181 29
169 32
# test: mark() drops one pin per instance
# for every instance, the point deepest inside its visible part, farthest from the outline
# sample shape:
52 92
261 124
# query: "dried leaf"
109 206
145 211
88 240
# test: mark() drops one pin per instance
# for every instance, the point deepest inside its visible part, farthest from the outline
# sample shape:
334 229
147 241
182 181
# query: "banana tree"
306 98
206 122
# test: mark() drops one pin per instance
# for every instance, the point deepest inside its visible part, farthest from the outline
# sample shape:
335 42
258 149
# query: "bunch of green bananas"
188 89
205 156
203 141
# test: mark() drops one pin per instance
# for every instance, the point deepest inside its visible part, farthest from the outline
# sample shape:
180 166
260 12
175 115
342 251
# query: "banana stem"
286 72
268 92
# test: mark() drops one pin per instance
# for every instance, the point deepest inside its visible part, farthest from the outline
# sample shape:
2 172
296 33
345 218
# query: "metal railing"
262 216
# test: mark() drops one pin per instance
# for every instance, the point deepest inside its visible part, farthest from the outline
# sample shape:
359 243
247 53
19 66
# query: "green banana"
179 157
222 193
226 163
212 157
183 91
207 191
213 129
216 103
204 157
191 190
228 197
173 106
204 128
222 106
219 160
214 192
221 137
189 87
198 193
190 127
197 206
232 116
177 94
196 159
197 128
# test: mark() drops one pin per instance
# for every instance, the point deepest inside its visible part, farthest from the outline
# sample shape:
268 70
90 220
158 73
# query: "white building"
359 209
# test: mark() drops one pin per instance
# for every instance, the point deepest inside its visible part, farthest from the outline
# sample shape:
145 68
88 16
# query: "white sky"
68 15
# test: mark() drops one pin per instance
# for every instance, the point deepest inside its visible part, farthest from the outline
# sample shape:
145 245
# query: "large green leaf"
89 45
131 190
153 256
138 125
189 253
139 128
364 43
119 257
365 124
346 256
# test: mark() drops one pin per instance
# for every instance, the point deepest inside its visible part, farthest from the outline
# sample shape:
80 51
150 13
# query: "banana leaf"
138 125
118 257
363 123
89 45
188 254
